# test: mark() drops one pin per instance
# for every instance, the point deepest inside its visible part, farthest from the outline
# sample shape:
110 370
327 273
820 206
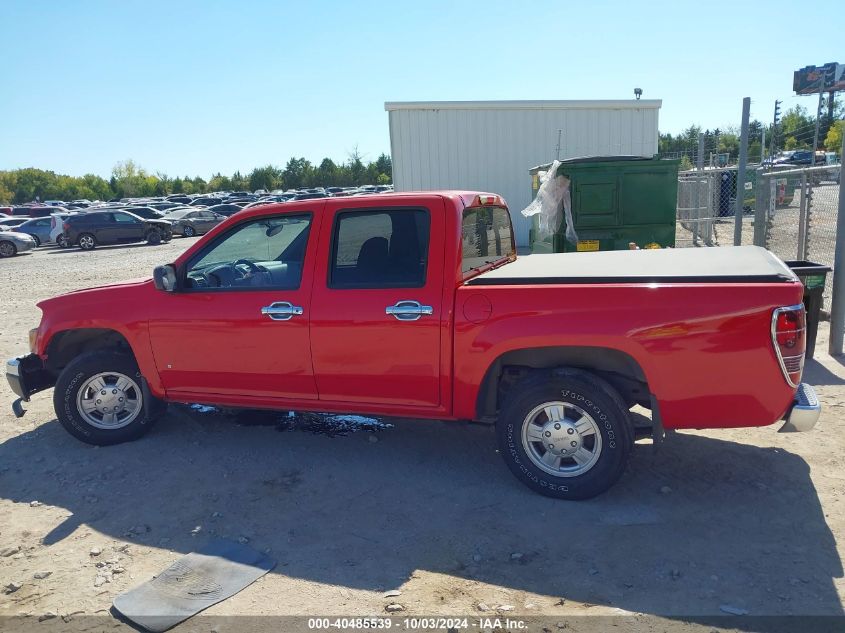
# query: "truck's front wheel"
565 435
99 399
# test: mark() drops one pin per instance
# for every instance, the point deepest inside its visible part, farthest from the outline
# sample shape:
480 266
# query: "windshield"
175 215
486 237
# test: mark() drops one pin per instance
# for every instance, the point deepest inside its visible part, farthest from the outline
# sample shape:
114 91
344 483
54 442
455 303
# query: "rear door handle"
281 311
407 310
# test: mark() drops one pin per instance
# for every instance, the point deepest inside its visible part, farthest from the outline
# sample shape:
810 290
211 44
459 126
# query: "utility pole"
558 143
837 300
775 123
763 147
740 171
818 117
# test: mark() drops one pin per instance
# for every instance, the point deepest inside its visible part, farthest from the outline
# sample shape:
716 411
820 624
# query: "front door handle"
407 310
281 310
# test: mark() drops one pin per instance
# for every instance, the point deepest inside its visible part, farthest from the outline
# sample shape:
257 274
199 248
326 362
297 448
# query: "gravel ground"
711 522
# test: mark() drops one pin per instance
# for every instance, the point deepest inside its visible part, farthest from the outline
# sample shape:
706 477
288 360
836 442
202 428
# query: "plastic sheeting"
552 195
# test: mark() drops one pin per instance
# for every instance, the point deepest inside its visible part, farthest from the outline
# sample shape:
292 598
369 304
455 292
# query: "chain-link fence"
800 208
706 206
789 210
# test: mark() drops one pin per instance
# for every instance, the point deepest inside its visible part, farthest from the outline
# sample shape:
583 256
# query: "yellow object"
652 245
587 245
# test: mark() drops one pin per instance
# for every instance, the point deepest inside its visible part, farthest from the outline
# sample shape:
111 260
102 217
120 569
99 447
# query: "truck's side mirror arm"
164 278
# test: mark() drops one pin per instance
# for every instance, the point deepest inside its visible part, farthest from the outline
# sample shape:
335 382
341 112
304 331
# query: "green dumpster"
616 201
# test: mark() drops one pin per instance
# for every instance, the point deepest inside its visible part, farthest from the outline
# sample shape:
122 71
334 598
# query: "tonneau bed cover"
731 264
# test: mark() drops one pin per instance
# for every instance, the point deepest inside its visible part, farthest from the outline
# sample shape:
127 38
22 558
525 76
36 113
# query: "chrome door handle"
407 310
281 310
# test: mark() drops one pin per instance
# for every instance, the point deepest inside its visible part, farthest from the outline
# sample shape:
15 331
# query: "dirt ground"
745 520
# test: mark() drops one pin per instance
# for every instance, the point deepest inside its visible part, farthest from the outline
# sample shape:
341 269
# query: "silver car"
12 243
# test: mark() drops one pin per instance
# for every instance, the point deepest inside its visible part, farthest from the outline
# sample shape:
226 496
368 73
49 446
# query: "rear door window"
383 248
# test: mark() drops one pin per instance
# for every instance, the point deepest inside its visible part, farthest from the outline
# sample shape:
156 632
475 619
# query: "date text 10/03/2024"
421 623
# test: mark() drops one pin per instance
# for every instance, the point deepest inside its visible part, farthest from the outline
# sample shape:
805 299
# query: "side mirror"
164 278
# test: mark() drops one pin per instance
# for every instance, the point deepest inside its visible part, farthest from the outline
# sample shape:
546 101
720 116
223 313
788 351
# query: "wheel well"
617 368
67 345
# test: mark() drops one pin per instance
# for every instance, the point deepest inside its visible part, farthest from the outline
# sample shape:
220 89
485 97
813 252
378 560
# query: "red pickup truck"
416 305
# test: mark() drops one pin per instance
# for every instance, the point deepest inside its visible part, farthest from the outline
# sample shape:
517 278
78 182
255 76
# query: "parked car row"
87 224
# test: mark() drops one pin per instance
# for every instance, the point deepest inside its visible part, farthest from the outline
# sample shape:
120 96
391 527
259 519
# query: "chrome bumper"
13 375
805 411
27 375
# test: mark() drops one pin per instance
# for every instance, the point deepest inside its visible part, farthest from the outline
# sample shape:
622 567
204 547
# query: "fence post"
837 301
699 166
761 208
802 220
740 173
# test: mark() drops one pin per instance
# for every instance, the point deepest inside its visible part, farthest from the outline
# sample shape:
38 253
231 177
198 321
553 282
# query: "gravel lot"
746 519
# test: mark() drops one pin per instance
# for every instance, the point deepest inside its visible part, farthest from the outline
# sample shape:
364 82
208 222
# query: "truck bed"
733 264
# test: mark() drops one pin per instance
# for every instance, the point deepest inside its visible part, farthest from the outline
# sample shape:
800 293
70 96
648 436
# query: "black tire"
86 242
592 395
188 231
167 237
73 379
37 241
61 242
8 249
153 237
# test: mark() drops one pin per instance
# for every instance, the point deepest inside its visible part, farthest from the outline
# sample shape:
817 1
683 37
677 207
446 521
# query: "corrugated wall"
492 148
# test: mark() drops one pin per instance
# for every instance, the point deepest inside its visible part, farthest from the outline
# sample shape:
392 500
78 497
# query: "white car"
57 229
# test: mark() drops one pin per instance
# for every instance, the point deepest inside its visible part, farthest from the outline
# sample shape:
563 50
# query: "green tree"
385 166
200 186
833 140
219 182
328 173
267 177
357 170
295 173
797 128
6 195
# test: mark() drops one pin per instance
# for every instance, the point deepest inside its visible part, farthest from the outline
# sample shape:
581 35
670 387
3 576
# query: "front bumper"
804 412
22 245
27 375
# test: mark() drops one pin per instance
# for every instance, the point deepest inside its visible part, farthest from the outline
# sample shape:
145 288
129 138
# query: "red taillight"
52 223
789 335
65 226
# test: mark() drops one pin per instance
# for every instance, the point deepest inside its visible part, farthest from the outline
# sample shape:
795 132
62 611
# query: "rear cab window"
486 238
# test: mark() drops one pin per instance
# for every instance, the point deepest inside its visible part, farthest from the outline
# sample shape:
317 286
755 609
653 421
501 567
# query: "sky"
190 87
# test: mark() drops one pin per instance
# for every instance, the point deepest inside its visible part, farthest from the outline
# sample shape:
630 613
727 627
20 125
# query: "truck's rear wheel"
565 435
99 398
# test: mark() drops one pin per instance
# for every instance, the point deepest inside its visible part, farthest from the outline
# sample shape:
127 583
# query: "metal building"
491 145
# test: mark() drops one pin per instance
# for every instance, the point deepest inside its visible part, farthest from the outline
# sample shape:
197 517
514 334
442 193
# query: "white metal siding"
490 146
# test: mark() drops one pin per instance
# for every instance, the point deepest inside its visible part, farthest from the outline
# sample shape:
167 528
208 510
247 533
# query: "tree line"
796 130
129 180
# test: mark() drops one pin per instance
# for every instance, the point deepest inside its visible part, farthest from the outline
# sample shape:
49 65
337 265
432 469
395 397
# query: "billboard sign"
807 80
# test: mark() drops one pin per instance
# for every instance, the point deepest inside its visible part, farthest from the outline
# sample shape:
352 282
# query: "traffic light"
777 113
